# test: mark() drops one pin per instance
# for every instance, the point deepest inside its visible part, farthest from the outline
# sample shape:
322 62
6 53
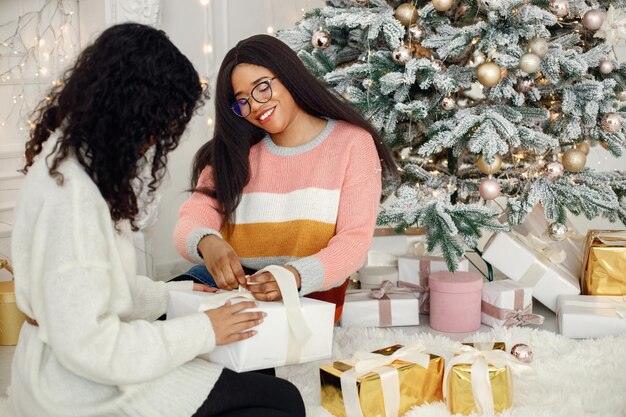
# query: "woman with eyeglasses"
91 346
291 177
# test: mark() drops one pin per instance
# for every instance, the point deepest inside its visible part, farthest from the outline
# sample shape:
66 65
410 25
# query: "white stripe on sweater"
306 204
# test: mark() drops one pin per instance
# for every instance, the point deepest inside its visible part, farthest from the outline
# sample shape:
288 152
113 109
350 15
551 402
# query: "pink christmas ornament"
489 189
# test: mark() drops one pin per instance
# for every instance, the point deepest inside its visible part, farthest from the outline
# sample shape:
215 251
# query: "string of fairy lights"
34 48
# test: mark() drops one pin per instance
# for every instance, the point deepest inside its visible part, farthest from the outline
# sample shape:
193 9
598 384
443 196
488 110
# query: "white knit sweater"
97 350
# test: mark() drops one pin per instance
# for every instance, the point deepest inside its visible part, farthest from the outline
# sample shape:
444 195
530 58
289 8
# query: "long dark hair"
227 153
130 89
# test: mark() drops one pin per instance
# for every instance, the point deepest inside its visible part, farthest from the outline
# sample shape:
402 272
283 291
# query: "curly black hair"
129 90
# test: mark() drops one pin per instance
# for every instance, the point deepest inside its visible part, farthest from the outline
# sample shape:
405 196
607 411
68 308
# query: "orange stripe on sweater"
294 238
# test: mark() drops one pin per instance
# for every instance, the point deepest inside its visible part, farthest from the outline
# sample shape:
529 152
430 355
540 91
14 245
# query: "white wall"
190 25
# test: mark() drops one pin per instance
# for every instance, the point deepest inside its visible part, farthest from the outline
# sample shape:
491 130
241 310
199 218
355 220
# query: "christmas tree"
480 100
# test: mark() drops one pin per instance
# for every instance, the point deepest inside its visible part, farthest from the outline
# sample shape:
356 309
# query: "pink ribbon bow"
517 316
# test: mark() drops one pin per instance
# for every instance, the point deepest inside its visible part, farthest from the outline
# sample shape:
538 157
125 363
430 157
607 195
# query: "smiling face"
273 116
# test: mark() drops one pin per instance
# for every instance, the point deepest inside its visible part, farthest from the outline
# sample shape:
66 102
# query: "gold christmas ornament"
321 39
443 5
538 46
574 160
407 14
583 147
621 96
489 168
488 74
529 63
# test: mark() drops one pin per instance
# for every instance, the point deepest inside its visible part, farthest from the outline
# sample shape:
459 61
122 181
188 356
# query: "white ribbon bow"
481 384
365 362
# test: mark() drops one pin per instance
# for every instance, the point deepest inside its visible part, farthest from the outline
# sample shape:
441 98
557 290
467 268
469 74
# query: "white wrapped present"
383 307
508 303
295 330
586 316
570 249
414 270
517 261
372 277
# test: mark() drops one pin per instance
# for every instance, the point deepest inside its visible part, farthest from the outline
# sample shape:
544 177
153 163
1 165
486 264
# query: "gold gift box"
11 319
417 385
460 396
604 266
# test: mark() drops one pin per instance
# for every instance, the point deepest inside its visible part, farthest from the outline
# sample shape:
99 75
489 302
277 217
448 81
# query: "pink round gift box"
455 299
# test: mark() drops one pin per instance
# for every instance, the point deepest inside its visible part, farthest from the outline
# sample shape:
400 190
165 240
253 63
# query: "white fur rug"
572 378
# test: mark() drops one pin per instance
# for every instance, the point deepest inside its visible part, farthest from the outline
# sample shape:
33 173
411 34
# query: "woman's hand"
231 324
264 287
222 262
203 288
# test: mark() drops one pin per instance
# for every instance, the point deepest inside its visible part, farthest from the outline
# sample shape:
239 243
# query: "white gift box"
586 316
507 303
295 330
372 277
536 224
415 270
361 309
525 265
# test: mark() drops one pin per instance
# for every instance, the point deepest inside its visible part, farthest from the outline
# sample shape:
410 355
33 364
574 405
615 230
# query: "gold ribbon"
365 362
481 384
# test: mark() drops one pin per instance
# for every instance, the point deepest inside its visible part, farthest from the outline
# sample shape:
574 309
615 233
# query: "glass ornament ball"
488 74
557 231
321 39
489 189
406 13
593 19
612 122
560 8
522 352
443 5
574 160
554 170
489 168
401 55
529 63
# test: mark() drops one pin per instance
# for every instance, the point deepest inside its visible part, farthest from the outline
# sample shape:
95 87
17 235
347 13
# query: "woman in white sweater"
92 346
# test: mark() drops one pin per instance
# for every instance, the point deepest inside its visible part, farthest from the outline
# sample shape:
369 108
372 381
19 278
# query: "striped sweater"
312 207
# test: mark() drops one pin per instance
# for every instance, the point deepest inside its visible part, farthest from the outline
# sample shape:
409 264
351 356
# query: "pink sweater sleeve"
197 218
356 220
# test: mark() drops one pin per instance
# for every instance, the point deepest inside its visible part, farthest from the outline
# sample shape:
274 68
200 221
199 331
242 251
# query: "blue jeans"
200 274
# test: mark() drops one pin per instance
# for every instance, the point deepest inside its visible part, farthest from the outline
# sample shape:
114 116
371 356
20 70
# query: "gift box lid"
7 292
378 273
455 282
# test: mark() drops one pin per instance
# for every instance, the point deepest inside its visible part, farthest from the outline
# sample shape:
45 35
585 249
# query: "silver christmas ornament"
554 170
612 122
321 39
401 55
416 32
489 189
593 19
560 8
606 66
538 46
557 231
448 103
529 63
522 352
443 5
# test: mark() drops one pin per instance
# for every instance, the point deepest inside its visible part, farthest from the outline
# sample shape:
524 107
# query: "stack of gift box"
475 377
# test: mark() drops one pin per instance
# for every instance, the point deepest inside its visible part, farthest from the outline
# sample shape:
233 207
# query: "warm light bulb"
208 48
205 2
270 30
209 121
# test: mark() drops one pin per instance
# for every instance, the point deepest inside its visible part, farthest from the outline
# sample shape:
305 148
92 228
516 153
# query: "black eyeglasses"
261 93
